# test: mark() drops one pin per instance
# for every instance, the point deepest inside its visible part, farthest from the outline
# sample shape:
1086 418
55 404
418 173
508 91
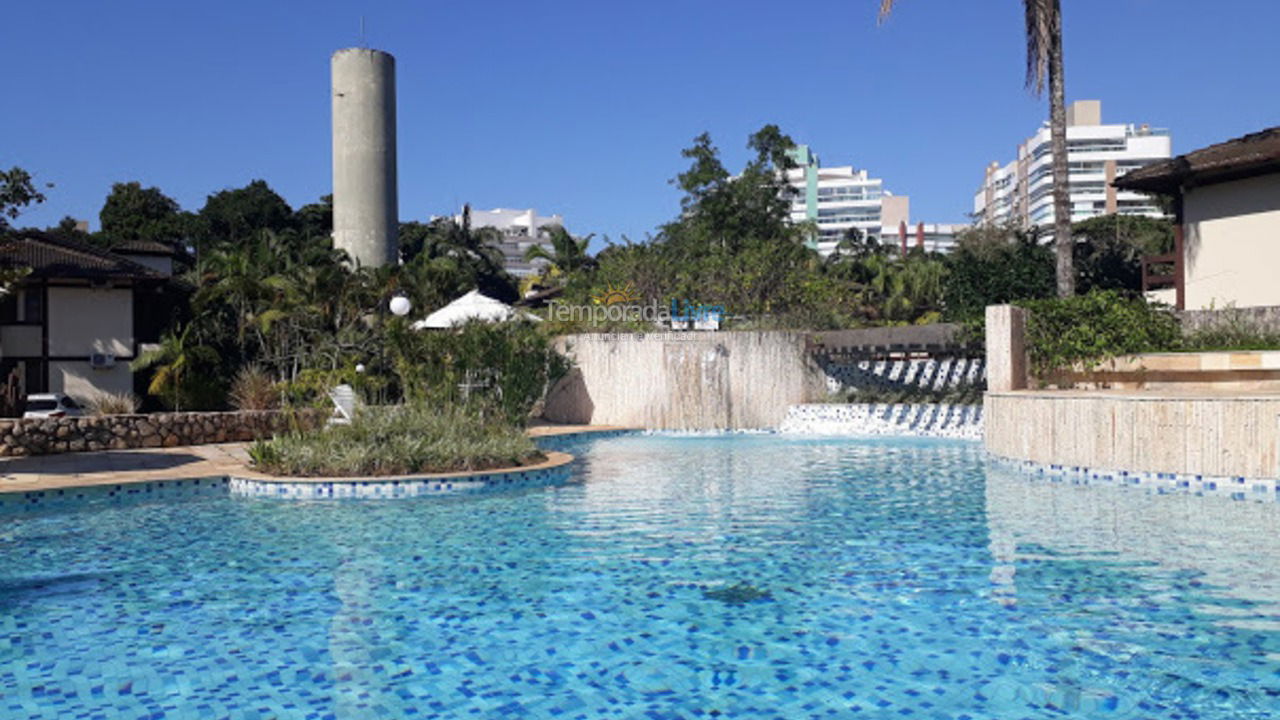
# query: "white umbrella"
473 306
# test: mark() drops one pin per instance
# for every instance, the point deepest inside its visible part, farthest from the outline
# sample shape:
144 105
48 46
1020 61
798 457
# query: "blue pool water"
876 579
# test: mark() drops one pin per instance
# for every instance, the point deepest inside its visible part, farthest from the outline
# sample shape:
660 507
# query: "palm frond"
886 7
1043 21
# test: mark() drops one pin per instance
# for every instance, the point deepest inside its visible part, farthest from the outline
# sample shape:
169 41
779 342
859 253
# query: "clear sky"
581 108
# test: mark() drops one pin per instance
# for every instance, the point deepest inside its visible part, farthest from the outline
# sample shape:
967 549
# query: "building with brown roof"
77 320
1227 207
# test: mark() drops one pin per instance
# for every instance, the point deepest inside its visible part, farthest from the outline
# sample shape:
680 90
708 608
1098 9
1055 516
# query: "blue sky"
581 108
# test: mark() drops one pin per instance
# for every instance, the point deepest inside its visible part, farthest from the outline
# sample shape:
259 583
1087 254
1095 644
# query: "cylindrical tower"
365 207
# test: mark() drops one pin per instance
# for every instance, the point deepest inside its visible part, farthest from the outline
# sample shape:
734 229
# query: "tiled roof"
50 257
1247 156
145 247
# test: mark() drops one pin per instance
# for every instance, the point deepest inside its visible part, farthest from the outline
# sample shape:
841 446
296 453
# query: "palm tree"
174 358
1044 61
568 253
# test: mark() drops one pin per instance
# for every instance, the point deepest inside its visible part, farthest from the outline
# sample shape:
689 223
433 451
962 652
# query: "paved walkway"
45 472
112 467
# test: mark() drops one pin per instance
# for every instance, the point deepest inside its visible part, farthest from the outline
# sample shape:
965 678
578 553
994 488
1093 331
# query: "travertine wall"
48 436
684 380
1006 341
1206 435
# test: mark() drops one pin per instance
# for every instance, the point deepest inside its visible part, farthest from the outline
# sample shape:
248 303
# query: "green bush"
399 440
995 265
507 366
1095 327
1232 329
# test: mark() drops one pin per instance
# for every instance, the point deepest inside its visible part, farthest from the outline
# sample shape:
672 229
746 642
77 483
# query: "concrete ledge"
1190 432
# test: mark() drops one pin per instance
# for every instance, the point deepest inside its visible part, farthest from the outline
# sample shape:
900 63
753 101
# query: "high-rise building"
520 230
1021 192
839 198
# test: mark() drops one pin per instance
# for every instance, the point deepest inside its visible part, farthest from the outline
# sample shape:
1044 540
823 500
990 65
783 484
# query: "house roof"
53 257
146 247
1254 154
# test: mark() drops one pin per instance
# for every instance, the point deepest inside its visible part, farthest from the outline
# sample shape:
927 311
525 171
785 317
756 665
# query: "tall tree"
132 212
238 215
568 253
1044 62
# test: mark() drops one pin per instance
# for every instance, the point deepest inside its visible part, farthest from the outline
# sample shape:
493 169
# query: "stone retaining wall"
47 436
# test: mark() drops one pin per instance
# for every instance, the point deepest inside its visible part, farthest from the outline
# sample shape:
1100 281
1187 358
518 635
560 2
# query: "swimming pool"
683 577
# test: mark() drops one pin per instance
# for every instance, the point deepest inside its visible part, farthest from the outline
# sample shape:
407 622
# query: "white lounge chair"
344 404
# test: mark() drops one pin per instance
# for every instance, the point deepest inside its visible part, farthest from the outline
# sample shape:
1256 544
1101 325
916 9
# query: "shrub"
399 440
253 389
994 265
105 403
1095 327
1233 329
504 366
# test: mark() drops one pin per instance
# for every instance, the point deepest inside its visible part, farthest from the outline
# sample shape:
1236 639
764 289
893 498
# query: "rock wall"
47 436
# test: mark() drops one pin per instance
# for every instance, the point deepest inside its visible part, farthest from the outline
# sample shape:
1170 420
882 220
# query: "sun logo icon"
617 296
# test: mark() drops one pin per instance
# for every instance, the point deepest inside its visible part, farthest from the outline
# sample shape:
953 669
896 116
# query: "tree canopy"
132 212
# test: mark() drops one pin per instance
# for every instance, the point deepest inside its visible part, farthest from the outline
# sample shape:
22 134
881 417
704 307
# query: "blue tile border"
111 492
402 487
1233 487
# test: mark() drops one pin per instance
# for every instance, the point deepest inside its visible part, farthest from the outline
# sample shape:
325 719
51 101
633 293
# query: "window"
33 305
9 308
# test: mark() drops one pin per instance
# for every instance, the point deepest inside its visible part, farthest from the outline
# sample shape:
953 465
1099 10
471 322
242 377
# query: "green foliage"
185 372
107 403
568 253
17 192
310 388
735 245
231 217
407 439
1109 250
253 389
455 258
132 212
507 365
1233 329
994 265
1098 326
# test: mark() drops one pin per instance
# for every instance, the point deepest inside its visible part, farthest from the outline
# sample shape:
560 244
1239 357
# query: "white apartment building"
520 230
839 198
1021 192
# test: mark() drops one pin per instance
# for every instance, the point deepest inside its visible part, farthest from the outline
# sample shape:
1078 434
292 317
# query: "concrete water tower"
365 206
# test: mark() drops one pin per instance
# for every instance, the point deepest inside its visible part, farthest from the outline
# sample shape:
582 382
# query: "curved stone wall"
554 470
1209 435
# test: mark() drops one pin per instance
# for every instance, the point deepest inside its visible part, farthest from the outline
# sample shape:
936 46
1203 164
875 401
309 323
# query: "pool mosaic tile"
888 579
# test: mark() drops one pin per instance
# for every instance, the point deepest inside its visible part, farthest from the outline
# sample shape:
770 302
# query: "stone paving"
85 469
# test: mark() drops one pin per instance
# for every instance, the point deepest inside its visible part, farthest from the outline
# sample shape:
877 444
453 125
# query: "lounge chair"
344 404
